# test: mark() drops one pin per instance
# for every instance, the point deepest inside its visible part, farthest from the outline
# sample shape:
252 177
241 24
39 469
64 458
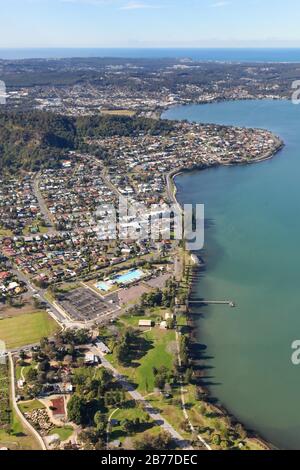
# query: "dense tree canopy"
36 139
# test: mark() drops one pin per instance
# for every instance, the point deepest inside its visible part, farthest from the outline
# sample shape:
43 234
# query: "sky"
149 23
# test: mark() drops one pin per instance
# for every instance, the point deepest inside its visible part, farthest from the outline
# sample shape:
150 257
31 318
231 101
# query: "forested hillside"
33 140
36 139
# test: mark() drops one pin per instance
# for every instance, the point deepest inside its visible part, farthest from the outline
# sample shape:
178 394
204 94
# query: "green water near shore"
253 257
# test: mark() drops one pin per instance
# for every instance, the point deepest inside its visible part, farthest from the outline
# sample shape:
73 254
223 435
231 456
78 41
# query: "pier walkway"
230 303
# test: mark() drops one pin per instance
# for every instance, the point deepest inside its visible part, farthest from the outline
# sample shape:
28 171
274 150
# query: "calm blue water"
222 55
103 286
126 278
129 277
252 251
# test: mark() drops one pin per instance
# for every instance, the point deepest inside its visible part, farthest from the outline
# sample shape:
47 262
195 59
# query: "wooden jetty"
230 303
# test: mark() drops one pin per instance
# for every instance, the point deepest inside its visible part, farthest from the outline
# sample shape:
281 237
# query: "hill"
34 140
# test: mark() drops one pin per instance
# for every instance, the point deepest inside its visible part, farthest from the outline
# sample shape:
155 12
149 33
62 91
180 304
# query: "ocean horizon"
277 55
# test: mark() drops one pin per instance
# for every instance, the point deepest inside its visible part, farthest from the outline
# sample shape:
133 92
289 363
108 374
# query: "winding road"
154 414
22 418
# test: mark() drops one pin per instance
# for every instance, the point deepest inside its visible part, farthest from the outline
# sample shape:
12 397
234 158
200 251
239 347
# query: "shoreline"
157 114
198 264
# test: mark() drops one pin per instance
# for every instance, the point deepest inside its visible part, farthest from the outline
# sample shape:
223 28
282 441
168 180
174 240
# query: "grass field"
4 396
5 233
118 112
117 431
158 355
29 406
63 433
26 329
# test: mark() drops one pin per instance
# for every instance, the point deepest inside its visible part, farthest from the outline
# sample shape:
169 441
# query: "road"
22 418
43 207
108 426
170 189
154 414
105 177
41 295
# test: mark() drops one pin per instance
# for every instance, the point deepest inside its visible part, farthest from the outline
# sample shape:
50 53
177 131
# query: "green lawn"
63 433
117 432
30 406
26 329
118 112
5 233
158 355
133 320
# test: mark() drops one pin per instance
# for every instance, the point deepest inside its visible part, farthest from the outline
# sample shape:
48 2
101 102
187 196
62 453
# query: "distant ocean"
220 55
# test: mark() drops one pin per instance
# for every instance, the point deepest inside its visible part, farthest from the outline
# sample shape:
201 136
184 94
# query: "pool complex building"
123 279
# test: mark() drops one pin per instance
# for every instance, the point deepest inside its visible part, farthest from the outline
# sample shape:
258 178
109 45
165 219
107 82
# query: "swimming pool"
103 286
129 277
126 278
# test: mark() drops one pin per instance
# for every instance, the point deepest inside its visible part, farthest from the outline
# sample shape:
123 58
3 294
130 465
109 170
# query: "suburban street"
43 207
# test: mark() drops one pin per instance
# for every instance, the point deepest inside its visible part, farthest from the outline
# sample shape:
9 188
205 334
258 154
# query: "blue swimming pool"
103 286
131 276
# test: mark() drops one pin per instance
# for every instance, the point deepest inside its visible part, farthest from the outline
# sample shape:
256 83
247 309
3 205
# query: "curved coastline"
172 193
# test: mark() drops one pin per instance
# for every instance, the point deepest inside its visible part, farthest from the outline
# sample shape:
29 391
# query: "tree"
101 423
162 441
77 410
130 426
32 375
188 376
241 431
161 377
44 366
22 355
216 440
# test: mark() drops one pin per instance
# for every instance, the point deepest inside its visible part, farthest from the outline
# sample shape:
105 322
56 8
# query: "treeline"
36 139
108 126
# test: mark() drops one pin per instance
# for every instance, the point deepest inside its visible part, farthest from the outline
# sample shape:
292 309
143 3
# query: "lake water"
253 255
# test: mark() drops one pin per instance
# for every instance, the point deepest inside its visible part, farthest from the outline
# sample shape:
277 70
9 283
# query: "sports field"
26 329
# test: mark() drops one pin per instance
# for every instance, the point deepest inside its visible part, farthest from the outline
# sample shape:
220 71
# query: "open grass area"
133 321
22 371
17 438
31 405
26 329
117 431
171 409
4 396
118 112
19 441
63 433
159 354
5 233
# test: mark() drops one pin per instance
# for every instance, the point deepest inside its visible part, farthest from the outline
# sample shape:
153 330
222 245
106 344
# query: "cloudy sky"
149 23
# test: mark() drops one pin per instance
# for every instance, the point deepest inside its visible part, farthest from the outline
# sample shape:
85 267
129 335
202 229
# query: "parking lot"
84 305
